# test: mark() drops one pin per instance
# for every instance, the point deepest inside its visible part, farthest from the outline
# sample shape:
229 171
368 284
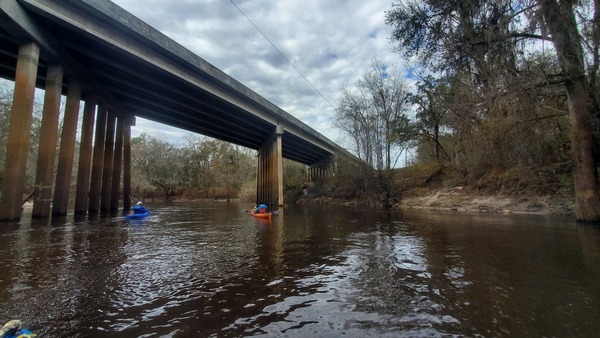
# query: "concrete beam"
15 19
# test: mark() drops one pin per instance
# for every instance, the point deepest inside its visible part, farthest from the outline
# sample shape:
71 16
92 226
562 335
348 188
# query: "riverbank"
457 200
433 186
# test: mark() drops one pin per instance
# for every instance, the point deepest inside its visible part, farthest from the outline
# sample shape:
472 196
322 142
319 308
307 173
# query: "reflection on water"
213 270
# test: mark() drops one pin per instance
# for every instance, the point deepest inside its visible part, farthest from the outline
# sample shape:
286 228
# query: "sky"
298 54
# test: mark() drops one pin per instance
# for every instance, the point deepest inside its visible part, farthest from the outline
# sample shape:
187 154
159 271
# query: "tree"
158 161
486 39
430 115
212 165
198 161
374 115
233 167
560 20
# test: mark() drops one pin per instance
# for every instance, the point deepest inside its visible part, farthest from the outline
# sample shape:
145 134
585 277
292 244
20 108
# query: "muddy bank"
456 199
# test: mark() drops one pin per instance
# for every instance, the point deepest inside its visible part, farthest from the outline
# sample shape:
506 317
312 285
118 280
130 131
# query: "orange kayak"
265 215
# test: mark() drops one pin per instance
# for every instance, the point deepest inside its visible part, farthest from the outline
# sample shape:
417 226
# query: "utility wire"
286 59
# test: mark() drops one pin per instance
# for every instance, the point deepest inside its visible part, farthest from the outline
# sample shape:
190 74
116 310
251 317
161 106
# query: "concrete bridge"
94 52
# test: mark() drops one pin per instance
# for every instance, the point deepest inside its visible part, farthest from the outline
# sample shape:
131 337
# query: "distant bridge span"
94 51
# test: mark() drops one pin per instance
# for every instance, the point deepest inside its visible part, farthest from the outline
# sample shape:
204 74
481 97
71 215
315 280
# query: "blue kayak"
137 216
23 333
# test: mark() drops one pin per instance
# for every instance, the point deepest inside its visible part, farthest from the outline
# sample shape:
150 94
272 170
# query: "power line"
280 52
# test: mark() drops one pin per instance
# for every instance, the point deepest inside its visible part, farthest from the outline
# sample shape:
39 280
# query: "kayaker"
261 209
138 208
14 328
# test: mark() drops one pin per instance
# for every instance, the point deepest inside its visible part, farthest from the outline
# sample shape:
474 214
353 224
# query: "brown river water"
212 270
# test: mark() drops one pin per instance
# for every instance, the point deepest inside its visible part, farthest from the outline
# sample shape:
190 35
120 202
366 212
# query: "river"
212 270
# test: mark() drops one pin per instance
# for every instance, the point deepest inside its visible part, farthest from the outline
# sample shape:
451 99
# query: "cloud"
330 44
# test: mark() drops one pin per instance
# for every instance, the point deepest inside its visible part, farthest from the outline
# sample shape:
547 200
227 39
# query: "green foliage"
213 168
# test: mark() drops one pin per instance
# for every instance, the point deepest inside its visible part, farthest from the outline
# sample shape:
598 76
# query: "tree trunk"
560 20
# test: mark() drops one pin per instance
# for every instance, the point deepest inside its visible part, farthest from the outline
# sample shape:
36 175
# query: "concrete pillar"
258 179
44 177
98 158
85 157
262 178
126 167
306 173
279 165
117 162
109 143
62 188
269 178
18 134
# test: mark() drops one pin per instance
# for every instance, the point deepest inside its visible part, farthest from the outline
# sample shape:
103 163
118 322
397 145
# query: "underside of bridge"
95 52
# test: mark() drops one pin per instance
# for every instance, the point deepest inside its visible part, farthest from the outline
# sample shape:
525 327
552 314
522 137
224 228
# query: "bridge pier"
47 148
98 179
269 176
62 186
116 166
127 167
108 162
85 157
98 159
18 134
322 169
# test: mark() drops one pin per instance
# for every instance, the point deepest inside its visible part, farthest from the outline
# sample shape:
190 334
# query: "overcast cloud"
331 42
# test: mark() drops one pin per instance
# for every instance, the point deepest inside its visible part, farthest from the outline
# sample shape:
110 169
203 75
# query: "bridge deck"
149 75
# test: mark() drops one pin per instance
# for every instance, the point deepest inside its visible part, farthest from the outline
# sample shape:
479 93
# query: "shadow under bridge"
95 52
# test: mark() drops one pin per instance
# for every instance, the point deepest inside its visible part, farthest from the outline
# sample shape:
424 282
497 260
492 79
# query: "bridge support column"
322 169
85 157
18 135
126 167
108 162
60 202
44 177
269 178
117 163
98 159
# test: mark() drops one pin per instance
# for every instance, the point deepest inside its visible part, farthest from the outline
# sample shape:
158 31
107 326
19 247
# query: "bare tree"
374 115
486 40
